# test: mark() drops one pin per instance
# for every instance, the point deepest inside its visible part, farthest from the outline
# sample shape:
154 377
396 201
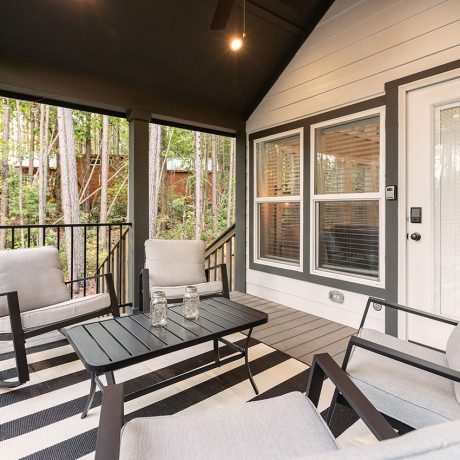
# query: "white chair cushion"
283 427
35 274
453 356
439 442
175 262
413 396
58 312
177 292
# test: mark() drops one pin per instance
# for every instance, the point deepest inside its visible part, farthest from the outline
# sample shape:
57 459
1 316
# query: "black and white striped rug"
41 420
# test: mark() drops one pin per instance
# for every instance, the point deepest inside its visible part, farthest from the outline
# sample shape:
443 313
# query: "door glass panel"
447 209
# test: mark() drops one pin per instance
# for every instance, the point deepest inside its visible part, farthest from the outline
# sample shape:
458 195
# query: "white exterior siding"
357 47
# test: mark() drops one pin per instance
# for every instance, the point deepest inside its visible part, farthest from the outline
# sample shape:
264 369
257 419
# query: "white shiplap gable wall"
357 47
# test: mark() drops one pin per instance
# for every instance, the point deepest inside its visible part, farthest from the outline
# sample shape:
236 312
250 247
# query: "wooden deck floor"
296 333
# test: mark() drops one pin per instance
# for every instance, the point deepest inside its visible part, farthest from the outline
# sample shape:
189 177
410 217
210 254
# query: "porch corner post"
240 211
138 197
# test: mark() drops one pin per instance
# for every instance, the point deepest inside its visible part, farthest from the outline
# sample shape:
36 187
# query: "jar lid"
191 289
158 293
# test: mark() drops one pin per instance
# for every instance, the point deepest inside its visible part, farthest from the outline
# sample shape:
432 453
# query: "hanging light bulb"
236 43
34 107
4 102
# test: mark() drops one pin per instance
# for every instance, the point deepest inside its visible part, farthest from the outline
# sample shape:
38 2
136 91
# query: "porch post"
240 212
138 196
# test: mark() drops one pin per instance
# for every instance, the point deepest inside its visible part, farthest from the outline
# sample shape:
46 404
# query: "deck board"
296 333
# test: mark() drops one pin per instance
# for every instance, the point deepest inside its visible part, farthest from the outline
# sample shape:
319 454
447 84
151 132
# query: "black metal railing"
86 250
221 251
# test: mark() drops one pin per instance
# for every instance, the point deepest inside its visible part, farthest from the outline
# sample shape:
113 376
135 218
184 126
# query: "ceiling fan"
222 14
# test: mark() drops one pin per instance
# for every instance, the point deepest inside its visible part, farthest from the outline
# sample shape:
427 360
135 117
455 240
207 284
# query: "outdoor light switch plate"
336 296
391 192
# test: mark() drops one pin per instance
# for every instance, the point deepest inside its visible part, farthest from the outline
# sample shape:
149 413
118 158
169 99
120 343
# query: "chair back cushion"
175 262
35 274
453 356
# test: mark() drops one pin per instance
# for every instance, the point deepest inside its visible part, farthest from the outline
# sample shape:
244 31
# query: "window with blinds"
346 198
278 196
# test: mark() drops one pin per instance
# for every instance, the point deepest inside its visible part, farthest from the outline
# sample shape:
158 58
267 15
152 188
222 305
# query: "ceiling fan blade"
222 14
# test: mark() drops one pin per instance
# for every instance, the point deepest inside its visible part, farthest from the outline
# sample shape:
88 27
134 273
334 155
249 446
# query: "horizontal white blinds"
347 157
348 234
278 167
279 234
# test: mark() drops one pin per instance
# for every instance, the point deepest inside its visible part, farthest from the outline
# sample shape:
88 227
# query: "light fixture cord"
244 18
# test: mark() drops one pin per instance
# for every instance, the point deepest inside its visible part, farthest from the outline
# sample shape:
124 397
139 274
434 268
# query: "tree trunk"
4 171
69 190
20 172
214 180
31 145
154 177
230 184
104 177
87 158
43 166
198 196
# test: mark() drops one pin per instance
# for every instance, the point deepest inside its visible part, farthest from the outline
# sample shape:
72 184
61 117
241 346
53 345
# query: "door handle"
415 236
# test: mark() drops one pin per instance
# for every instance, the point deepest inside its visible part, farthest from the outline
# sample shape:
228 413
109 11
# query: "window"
278 200
347 207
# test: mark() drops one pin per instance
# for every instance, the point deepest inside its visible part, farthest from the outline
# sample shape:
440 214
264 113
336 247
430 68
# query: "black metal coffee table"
112 344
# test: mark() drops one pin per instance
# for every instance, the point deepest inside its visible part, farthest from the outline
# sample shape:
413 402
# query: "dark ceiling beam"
314 20
273 18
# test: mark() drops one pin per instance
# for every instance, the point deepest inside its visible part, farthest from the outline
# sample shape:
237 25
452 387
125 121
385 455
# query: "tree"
230 183
5 170
214 180
155 173
198 197
69 188
31 141
20 156
104 176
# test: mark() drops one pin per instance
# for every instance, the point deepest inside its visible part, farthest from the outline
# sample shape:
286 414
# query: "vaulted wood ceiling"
164 48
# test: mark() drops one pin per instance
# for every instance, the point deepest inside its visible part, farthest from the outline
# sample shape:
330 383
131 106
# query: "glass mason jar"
191 302
158 309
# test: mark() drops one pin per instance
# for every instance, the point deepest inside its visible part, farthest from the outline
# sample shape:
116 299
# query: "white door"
433 196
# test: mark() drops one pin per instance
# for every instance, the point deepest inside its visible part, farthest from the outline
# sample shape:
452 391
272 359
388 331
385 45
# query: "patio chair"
412 385
170 265
285 427
34 299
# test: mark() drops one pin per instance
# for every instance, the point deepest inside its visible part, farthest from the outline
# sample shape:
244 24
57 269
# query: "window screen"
347 160
278 167
349 236
347 157
280 231
278 200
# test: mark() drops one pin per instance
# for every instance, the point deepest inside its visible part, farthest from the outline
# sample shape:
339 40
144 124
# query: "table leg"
110 378
216 351
246 361
92 392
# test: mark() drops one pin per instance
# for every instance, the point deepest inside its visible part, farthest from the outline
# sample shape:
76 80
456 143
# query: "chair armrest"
412 311
144 286
405 358
325 367
110 288
110 423
223 277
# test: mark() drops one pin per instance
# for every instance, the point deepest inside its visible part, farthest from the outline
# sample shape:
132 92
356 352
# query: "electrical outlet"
336 296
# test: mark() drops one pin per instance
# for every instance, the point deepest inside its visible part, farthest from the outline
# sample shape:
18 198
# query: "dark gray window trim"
305 275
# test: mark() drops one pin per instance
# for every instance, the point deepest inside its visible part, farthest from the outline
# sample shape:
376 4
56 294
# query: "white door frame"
402 181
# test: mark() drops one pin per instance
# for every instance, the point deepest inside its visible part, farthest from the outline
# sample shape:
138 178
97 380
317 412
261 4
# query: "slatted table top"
114 343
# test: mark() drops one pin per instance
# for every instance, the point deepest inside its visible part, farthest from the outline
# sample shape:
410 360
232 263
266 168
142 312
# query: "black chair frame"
401 357
144 287
112 418
18 335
